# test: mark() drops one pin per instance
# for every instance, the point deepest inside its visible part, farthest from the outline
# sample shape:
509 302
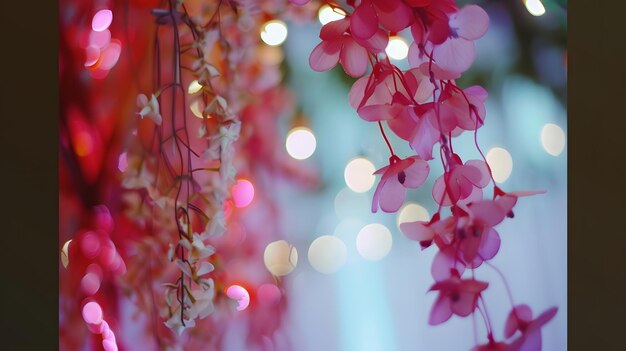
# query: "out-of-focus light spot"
90 244
269 294
65 257
300 143
501 164
327 14
100 39
280 258
102 20
397 48
92 313
194 87
92 54
243 193
535 7
83 144
412 212
239 294
274 32
110 55
90 284
196 108
327 254
359 175
122 162
374 242
553 139
270 55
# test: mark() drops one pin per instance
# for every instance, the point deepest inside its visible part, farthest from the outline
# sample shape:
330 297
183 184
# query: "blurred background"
357 283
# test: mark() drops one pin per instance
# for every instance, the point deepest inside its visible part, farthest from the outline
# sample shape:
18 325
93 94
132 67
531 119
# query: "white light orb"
300 143
374 242
553 139
412 212
194 87
274 32
239 294
535 7
280 257
326 14
501 164
327 254
397 48
359 175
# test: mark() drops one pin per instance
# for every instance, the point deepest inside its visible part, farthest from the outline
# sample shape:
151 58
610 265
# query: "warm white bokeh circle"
300 143
501 164
397 48
412 212
535 7
327 14
374 242
359 176
327 254
280 258
274 32
553 139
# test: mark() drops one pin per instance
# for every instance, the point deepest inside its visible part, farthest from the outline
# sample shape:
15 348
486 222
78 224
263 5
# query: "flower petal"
325 55
392 195
455 55
418 231
470 22
416 173
441 310
353 58
363 22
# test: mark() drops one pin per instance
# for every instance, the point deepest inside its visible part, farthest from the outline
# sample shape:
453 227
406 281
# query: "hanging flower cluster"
425 107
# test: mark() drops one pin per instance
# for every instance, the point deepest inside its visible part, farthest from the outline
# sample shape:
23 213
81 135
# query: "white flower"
175 324
149 108
216 226
196 248
203 305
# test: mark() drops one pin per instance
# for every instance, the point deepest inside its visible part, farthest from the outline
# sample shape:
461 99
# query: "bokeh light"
280 258
327 254
412 212
194 87
102 20
374 242
90 284
535 7
269 294
239 294
501 164
553 139
92 313
65 257
359 176
274 32
243 193
300 143
397 48
326 14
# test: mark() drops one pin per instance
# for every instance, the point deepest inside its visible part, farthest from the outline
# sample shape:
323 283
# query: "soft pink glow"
90 284
92 55
90 244
239 294
110 55
243 193
122 162
269 294
92 313
102 20
100 39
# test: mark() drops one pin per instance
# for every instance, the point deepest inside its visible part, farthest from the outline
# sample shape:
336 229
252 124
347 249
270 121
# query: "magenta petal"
465 304
417 231
477 91
481 178
489 245
363 22
423 139
470 22
334 30
357 92
392 195
376 43
532 341
444 121
353 58
403 124
439 192
520 312
417 173
325 55
545 317
441 310
455 55
377 192
442 264
394 15
487 213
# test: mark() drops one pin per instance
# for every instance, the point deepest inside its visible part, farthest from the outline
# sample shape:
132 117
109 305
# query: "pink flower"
338 45
396 178
491 346
393 15
462 183
456 296
520 318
